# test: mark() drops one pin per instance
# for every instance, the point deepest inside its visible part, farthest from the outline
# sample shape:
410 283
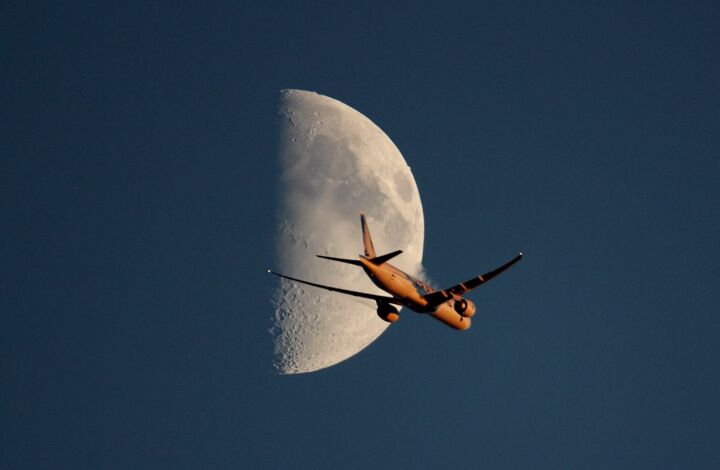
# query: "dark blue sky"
138 181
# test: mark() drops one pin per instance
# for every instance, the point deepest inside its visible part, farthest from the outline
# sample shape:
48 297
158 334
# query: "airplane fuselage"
410 291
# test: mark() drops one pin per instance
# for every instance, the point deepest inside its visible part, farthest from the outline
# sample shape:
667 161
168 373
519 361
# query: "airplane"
446 305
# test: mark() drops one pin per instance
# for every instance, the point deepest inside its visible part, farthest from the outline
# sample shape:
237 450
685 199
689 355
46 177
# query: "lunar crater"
332 168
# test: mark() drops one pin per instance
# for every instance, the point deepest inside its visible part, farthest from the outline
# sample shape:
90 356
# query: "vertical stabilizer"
367 240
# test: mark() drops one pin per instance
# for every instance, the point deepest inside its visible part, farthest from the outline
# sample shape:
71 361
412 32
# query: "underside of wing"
440 296
377 298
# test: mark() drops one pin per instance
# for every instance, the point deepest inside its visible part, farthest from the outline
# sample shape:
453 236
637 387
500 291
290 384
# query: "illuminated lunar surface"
336 162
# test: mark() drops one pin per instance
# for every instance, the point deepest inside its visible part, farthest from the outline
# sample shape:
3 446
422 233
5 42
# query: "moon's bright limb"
335 163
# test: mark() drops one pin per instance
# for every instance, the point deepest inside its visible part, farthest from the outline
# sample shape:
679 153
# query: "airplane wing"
377 298
440 296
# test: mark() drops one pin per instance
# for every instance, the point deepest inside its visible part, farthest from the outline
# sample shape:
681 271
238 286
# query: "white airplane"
446 305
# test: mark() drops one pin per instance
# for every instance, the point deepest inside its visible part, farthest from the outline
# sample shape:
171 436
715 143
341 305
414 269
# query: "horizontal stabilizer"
342 260
378 260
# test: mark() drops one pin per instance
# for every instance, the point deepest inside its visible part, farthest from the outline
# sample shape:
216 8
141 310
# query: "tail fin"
369 249
367 240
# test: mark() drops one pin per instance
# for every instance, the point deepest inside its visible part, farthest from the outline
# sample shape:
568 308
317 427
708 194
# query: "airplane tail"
367 240
376 260
370 254
369 249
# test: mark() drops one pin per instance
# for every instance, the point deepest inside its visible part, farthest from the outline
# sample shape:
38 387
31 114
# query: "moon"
335 162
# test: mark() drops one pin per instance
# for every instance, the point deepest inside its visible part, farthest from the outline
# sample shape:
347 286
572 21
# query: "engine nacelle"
388 313
464 307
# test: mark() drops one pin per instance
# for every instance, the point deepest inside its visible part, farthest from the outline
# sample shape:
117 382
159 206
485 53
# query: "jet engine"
388 313
465 307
